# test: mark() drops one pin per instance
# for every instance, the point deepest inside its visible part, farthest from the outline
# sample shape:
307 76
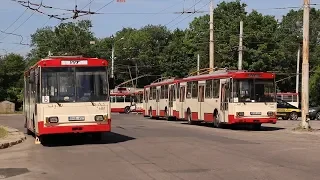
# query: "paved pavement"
143 149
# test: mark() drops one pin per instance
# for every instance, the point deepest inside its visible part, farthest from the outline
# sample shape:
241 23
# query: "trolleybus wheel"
216 122
127 109
150 113
189 117
293 116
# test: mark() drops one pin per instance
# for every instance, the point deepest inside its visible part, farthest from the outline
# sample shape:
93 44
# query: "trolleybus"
221 97
126 102
67 94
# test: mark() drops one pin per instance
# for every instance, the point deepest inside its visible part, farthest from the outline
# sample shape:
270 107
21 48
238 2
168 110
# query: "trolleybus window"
254 90
80 84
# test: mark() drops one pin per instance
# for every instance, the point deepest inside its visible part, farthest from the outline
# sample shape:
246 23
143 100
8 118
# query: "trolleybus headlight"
270 113
52 119
240 113
98 118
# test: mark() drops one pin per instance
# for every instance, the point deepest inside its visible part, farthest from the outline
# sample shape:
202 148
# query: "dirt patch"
3 133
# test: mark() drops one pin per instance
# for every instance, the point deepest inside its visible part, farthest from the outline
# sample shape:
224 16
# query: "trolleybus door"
200 101
158 101
224 101
170 105
181 101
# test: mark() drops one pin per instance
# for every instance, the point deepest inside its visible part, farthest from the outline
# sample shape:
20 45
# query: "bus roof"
232 74
164 82
218 74
68 61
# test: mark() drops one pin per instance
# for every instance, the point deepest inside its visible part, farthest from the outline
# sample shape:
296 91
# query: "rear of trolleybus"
74 99
252 100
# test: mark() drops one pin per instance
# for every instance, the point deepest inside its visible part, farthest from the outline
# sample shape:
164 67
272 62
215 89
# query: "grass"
3 132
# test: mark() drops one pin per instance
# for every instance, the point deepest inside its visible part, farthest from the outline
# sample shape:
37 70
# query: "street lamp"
112 55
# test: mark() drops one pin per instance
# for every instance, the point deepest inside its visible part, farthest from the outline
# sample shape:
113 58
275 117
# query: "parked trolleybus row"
221 97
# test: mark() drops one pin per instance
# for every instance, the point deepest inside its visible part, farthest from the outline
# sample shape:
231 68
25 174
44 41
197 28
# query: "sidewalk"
13 137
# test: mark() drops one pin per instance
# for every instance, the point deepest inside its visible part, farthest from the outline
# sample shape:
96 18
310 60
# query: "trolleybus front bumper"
65 129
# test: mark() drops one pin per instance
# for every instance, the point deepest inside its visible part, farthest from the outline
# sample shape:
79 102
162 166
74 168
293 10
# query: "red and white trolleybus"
67 94
126 102
221 97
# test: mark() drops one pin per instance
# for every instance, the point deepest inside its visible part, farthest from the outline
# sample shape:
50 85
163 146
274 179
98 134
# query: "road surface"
145 149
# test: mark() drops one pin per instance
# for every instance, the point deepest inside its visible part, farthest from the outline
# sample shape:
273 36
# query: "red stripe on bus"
194 116
162 112
73 129
176 113
154 113
117 110
208 117
233 120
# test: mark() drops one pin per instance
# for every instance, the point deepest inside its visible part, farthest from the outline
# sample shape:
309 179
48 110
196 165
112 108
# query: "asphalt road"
139 148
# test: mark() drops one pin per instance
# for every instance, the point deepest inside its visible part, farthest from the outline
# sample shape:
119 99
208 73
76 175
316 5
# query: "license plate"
76 118
255 113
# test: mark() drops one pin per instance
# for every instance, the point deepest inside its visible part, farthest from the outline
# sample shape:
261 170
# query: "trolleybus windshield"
254 90
74 84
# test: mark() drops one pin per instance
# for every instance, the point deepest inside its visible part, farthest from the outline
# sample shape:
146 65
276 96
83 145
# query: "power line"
189 15
182 13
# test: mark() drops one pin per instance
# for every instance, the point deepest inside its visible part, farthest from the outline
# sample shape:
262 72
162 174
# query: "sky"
115 16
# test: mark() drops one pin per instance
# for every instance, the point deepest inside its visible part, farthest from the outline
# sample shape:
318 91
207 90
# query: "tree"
12 67
65 39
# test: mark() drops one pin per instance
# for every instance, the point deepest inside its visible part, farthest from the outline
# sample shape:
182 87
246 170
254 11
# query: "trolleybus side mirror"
111 83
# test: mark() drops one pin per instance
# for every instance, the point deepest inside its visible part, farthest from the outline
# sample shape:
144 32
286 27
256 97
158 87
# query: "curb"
14 137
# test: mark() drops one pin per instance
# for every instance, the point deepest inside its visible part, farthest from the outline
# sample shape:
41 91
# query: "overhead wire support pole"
240 46
211 50
112 61
305 67
298 69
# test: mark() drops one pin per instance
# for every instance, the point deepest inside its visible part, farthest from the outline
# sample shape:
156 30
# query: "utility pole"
298 68
240 46
211 50
198 63
305 66
112 61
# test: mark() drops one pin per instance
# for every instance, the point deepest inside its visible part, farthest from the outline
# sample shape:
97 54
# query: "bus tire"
29 132
150 113
127 110
216 122
293 116
189 118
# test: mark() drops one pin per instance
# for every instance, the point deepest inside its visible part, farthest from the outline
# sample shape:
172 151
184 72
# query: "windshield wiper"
92 103
58 104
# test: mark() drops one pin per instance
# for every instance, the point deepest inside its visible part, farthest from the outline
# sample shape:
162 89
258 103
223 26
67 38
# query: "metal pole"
298 68
198 64
305 66
211 50
112 61
240 46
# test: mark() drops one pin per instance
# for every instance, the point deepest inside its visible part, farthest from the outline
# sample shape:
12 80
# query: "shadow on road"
83 139
239 127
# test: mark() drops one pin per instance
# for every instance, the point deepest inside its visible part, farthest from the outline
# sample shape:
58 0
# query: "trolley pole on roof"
211 50
240 46
305 66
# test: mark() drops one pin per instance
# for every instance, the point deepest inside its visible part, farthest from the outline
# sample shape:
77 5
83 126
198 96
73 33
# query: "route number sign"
74 62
